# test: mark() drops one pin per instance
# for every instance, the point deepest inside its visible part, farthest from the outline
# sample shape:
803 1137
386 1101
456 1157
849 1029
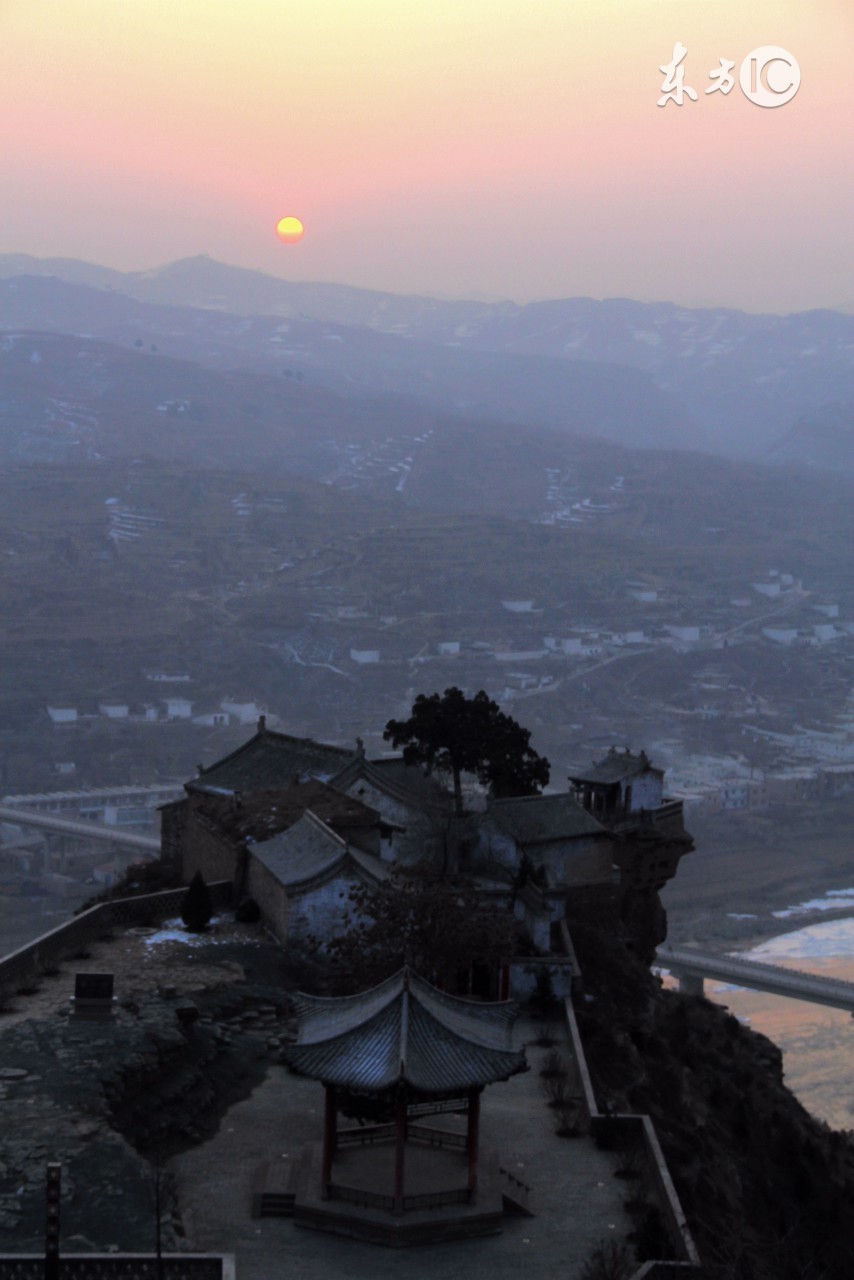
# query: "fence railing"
24 968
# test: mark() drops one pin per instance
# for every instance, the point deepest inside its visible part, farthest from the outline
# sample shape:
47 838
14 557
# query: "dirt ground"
753 863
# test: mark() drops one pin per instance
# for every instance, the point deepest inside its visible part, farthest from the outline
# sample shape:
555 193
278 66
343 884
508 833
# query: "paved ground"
577 1199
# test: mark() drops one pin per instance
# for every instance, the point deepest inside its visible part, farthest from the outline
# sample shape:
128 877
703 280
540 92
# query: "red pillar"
472 1141
399 1154
504 982
330 1136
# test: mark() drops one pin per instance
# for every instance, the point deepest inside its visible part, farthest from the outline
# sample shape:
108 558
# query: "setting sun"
289 230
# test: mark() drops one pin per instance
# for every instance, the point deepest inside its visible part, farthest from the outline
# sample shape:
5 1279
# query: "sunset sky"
499 148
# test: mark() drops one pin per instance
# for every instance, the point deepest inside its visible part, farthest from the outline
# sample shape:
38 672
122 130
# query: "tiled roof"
405 1031
261 814
309 850
407 783
616 766
540 819
270 759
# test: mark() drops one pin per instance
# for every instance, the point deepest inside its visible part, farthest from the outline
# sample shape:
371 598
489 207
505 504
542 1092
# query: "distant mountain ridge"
823 439
357 362
739 382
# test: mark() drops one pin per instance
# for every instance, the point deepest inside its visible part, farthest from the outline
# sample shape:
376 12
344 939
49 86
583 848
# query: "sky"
462 148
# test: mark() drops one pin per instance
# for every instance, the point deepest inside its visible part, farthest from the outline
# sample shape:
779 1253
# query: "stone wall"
122 1266
320 911
24 967
206 849
173 822
422 834
579 861
271 896
637 1133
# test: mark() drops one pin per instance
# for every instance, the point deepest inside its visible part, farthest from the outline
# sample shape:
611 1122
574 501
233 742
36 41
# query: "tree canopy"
441 927
455 734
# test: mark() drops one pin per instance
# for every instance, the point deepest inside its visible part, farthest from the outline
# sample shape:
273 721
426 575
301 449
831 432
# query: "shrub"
610 1260
197 907
248 911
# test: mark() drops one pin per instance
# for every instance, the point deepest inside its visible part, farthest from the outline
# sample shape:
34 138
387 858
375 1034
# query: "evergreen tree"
197 907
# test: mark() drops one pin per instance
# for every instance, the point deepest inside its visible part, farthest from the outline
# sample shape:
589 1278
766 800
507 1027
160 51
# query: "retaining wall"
636 1133
122 1266
24 967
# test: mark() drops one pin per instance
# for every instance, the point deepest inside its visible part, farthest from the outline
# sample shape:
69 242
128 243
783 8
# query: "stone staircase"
515 1195
272 1196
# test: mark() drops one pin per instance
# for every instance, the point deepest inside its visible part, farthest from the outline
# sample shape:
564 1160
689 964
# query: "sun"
289 230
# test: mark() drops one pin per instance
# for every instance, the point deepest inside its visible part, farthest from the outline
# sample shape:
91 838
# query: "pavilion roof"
405 1032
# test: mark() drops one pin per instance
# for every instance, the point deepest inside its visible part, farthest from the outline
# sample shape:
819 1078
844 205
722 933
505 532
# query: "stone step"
275 1204
515 1194
272 1196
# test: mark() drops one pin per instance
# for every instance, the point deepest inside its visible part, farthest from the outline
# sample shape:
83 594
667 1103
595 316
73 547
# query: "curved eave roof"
405 1032
269 759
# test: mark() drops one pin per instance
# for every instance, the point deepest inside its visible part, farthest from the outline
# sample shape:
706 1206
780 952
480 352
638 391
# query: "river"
817 1043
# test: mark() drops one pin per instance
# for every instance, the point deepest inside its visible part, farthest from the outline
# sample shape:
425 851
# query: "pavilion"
402 1052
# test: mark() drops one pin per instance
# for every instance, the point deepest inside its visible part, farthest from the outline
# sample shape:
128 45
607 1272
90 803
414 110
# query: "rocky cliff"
767 1189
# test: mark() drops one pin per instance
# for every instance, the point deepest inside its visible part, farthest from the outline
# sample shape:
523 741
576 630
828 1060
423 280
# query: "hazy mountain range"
642 374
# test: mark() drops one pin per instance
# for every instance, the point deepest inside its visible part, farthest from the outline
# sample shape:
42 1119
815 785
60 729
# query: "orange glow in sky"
413 137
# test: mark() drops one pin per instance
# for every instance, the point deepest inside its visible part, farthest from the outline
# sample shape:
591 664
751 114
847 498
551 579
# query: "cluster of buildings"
165 710
296 825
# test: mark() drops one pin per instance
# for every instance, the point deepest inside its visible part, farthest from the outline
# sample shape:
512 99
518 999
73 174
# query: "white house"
568 645
114 710
63 714
781 635
687 634
178 708
243 712
363 656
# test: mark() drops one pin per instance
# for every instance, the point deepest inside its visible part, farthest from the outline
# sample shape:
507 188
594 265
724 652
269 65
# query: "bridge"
692 967
107 833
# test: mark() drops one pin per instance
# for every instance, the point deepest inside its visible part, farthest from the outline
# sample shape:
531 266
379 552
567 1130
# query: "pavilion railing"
366 1135
435 1137
370 1134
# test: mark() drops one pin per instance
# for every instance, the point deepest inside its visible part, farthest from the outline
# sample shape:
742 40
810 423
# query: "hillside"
718 379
